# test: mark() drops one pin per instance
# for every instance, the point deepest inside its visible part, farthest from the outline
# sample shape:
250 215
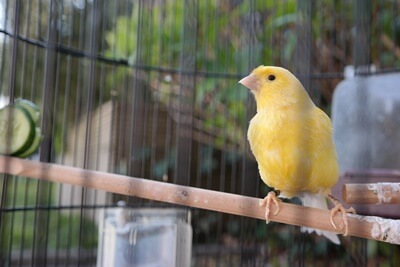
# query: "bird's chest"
276 133
279 145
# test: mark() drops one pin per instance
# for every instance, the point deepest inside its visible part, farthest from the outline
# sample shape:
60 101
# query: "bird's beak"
250 82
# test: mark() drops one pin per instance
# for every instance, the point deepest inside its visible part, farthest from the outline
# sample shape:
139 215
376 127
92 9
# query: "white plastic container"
144 237
366 122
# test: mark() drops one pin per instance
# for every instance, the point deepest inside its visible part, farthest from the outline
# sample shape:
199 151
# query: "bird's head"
275 87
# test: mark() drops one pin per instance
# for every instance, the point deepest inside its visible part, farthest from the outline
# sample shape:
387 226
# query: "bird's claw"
271 197
339 208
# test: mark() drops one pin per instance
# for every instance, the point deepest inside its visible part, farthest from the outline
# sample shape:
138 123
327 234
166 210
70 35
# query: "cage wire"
149 89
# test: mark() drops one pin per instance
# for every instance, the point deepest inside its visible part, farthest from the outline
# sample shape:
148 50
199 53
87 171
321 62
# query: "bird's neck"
282 103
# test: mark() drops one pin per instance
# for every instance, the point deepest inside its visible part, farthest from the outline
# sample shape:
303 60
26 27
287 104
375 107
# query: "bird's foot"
339 208
267 201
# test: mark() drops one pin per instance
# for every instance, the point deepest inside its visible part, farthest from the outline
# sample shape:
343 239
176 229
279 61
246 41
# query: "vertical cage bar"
303 58
186 92
41 229
362 44
14 52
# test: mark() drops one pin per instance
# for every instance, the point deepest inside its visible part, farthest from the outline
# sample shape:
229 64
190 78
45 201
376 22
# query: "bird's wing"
325 171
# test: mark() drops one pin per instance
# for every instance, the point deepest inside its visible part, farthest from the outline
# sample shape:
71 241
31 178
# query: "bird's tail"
317 201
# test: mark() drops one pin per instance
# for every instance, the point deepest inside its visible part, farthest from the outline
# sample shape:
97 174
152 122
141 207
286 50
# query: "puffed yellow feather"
291 140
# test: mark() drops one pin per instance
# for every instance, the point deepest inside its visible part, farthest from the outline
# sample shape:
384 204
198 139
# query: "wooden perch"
362 226
372 193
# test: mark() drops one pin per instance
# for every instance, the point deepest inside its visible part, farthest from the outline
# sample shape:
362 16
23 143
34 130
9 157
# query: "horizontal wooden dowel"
362 226
372 193
373 173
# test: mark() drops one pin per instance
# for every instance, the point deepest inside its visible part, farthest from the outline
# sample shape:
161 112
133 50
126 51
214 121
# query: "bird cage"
149 89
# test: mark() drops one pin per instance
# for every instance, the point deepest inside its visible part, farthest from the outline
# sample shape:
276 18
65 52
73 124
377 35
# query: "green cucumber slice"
17 130
30 107
34 146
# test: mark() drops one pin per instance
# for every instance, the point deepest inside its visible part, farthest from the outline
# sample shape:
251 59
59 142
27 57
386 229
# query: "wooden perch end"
372 193
362 226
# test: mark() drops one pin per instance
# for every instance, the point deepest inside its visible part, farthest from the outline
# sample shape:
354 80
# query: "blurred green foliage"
153 36
18 225
230 38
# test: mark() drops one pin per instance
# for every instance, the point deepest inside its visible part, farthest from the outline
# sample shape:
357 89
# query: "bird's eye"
271 77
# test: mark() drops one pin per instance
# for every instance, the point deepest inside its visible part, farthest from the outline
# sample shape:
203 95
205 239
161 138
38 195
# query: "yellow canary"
291 139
